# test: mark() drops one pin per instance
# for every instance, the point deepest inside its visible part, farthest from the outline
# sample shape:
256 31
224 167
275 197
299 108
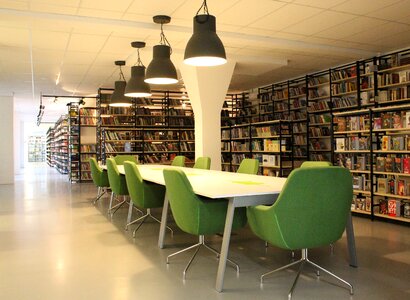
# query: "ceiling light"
118 98
136 86
161 70
204 48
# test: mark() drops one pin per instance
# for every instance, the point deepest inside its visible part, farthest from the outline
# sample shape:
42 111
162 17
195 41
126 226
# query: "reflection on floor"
54 244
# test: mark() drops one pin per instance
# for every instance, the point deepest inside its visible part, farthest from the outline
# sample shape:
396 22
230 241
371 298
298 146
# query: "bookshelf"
155 129
61 145
36 149
50 146
270 142
74 142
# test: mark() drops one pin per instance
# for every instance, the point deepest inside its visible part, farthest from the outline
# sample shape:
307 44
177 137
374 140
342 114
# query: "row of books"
266 108
344 87
392 120
318 106
394 94
318 144
161 135
300 152
319 131
312 81
88 148
346 101
89 112
161 147
352 143
127 120
392 163
320 119
297 91
238 146
396 143
281 106
363 203
181 122
361 183
180 112
300 140
123 135
299 128
353 123
280 94
395 186
88 121
394 208
116 110
316 93
267 145
393 78
353 162
344 73
267 131
240 132
298 103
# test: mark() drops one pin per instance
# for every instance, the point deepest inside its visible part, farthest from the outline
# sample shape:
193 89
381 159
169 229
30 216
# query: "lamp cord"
122 74
164 40
139 61
205 7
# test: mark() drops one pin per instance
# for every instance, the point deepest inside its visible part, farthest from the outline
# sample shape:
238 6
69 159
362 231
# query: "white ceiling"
270 40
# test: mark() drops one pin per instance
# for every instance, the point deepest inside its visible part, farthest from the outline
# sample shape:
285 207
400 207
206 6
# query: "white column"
7 141
207 88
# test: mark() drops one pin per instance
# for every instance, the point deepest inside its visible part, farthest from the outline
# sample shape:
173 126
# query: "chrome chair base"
113 209
142 219
198 246
304 259
100 193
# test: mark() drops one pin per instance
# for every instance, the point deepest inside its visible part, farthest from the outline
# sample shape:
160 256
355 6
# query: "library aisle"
54 244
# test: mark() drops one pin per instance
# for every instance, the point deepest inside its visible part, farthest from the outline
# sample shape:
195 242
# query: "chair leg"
304 259
190 261
183 250
159 221
331 274
129 215
143 218
111 200
116 207
101 192
219 254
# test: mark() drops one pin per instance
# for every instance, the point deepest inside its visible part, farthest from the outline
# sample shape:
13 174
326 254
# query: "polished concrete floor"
54 244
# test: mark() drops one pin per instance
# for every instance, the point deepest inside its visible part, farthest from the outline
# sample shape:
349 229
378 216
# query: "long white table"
240 189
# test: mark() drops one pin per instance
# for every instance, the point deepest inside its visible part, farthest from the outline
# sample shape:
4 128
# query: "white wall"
7 141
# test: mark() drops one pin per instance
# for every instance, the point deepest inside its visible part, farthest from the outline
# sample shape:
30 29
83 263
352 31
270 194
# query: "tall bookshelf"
36 149
74 141
50 146
155 129
61 145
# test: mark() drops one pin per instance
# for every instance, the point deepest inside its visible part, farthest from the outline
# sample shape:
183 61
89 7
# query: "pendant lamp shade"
118 98
136 86
204 48
161 70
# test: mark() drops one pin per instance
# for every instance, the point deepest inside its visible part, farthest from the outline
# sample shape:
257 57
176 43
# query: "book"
407 119
387 120
393 207
361 163
380 162
381 185
397 121
368 202
397 143
385 143
401 186
341 124
340 144
398 165
388 164
406 165
377 123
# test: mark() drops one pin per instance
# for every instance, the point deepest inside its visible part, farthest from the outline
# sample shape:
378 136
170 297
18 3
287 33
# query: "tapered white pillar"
207 88
7 141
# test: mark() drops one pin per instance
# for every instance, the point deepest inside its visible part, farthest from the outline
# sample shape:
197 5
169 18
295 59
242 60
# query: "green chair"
316 164
197 215
179 161
100 178
143 195
311 211
117 184
203 163
248 166
120 159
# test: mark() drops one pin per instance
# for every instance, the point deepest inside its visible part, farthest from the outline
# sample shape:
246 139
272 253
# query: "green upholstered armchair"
117 184
203 163
316 164
144 195
120 159
100 178
311 211
197 215
248 166
179 161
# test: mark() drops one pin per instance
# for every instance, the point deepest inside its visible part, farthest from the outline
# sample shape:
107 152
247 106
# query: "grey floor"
54 244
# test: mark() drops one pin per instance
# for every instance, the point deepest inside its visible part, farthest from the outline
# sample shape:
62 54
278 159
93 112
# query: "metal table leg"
351 241
163 226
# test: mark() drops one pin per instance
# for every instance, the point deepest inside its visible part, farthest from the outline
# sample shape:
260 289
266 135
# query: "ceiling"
78 41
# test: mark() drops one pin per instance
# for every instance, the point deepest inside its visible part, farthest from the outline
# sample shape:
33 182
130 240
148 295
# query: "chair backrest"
114 177
316 164
120 159
135 183
183 201
203 163
96 171
312 209
179 161
248 166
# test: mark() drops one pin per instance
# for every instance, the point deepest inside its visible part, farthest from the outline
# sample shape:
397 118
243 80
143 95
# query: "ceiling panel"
86 42
14 37
286 16
22 5
99 13
394 12
240 14
374 34
109 5
319 22
349 28
73 3
319 3
50 40
363 6
52 8
155 7
188 10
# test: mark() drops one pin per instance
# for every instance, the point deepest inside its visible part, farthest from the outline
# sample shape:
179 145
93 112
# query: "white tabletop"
216 184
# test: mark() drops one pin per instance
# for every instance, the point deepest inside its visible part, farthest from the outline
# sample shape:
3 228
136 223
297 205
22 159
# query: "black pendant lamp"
204 48
161 70
136 86
117 98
